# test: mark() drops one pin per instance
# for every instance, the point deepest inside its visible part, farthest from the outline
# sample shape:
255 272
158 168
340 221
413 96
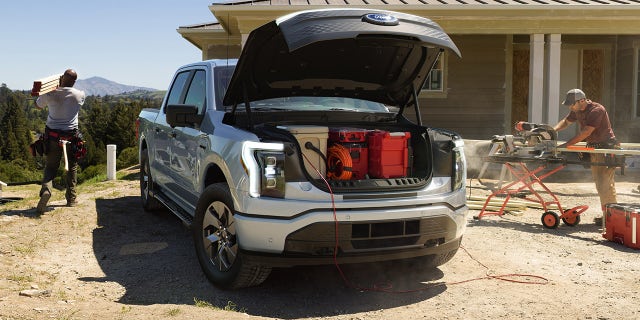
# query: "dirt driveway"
107 259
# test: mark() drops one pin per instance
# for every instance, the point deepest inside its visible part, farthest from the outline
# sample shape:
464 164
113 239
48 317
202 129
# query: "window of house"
435 84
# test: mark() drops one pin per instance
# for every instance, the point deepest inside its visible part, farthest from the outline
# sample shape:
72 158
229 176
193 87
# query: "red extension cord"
510 277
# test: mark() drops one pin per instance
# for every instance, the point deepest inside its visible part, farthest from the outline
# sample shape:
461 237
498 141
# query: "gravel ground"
107 259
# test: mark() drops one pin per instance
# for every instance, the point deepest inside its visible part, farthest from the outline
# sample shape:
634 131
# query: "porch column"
553 78
243 39
536 78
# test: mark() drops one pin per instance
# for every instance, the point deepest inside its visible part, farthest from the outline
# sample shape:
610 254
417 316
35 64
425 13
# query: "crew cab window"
196 95
222 76
175 93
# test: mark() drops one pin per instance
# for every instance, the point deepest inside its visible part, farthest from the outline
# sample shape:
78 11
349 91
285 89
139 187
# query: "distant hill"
96 86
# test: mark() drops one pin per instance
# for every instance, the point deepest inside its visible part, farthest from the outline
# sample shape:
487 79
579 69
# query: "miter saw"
530 141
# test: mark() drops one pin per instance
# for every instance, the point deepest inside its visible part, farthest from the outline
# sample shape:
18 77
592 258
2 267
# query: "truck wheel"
216 242
149 203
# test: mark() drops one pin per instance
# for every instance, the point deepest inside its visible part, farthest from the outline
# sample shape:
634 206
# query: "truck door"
164 134
190 141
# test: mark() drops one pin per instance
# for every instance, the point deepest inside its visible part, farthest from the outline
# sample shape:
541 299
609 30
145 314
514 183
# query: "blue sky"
132 42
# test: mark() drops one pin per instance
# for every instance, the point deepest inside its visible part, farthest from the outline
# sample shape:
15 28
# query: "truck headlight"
264 163
459 166
272 177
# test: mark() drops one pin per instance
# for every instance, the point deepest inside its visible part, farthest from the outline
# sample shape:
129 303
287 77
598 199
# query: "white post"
2 185
111 162
553 79
536 77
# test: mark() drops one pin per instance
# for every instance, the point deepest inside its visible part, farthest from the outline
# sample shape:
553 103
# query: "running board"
186 218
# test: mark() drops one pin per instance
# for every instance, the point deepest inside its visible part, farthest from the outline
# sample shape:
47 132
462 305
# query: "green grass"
20 278
231 306
26 249
173 312
120 175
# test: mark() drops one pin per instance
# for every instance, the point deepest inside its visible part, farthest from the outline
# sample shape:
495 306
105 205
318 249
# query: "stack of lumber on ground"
44 85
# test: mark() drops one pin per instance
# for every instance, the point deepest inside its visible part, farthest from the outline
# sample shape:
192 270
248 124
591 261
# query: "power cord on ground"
388 287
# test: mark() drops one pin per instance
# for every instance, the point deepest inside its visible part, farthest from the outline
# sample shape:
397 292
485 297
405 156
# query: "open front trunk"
322 82
356 152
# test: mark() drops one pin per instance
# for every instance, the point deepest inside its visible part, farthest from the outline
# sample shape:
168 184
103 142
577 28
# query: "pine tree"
122 124
16 138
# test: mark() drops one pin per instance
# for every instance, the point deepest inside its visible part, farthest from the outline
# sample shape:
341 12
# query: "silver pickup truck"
299 152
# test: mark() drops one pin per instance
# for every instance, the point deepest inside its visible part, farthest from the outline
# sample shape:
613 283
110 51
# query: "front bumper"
364 234
289 260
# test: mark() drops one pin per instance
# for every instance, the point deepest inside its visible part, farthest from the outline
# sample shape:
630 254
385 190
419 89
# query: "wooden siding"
520 87
475 95
593 73
625 125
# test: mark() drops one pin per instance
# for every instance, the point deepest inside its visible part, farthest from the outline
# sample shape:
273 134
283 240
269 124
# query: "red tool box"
355 140
360 159
622 224
388 154
347 135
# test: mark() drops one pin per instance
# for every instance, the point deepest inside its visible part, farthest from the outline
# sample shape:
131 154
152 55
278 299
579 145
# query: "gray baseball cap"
573 95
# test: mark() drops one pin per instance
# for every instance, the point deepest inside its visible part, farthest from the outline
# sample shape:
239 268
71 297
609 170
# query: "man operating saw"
595 129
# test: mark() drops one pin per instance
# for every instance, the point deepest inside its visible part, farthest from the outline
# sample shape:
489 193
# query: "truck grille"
319 238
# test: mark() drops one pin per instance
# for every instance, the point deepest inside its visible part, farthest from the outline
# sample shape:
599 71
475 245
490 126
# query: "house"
519 57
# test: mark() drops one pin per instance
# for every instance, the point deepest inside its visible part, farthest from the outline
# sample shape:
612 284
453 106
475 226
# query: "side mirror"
182 115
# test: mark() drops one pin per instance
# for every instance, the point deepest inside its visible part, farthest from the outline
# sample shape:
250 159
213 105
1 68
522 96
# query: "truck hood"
357 53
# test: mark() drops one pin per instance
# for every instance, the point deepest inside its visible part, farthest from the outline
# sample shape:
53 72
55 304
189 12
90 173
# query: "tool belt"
609 144
52 134
610 160
76 148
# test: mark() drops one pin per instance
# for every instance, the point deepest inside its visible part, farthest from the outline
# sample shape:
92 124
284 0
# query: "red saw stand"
526 179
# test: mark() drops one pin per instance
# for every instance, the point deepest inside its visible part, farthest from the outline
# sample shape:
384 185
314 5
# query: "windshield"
299 103
317 104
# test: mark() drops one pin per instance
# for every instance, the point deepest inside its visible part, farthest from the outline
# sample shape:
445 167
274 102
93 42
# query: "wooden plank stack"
44 85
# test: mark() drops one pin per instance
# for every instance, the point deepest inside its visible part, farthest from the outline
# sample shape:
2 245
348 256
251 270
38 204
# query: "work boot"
72 203
42 204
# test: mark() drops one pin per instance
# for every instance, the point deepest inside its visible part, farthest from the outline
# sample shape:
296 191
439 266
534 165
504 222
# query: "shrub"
18 171
127 158
91 172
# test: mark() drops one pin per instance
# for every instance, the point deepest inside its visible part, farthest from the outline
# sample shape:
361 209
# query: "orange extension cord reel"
339 163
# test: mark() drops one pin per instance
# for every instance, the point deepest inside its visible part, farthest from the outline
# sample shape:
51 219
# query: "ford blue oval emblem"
381 19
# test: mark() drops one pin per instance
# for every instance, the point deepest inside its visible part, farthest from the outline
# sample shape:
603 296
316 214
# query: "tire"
149 203
573 218
571 221
550 220
216 242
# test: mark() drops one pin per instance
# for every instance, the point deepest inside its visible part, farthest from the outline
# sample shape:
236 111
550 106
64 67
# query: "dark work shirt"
595 115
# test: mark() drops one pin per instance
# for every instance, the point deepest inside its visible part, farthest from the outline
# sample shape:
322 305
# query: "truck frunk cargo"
240 150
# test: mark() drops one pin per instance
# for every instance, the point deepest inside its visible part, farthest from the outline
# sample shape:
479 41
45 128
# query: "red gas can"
622 224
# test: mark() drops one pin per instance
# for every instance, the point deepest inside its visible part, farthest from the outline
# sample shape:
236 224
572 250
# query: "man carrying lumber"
62 127
595 129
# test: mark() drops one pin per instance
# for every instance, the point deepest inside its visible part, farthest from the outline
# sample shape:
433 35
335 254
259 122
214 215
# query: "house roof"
584 17
425 2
